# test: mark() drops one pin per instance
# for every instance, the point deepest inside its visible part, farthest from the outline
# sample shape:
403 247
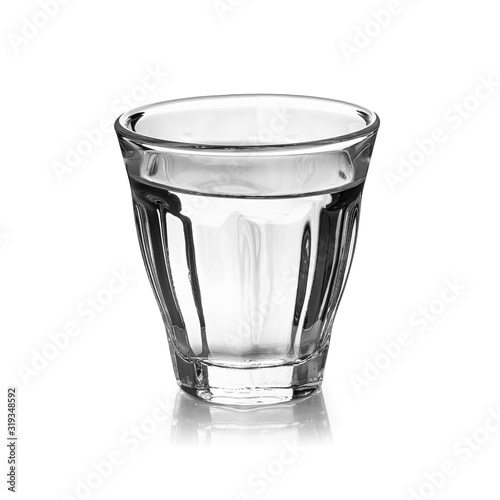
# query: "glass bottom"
260 385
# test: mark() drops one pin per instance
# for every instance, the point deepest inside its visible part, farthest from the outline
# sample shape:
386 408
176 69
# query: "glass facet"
247 209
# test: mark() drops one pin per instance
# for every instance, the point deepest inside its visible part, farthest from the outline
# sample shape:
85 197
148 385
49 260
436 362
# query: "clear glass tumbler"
247 210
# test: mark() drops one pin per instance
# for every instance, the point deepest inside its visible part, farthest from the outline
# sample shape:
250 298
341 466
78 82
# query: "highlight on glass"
247 209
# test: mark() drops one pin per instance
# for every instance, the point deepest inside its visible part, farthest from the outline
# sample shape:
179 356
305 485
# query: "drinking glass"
247 210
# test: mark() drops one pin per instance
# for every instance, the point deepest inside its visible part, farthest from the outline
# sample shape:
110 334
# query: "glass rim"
123 129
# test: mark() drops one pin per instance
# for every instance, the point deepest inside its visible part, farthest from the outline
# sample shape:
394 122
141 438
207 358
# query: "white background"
63 236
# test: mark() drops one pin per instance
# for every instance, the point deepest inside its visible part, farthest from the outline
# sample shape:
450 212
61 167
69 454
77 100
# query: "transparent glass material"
247 209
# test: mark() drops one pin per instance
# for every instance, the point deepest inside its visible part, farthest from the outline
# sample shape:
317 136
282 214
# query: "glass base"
261 385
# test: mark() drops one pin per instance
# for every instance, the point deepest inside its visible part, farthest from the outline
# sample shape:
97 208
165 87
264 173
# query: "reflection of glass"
200 423
247 212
